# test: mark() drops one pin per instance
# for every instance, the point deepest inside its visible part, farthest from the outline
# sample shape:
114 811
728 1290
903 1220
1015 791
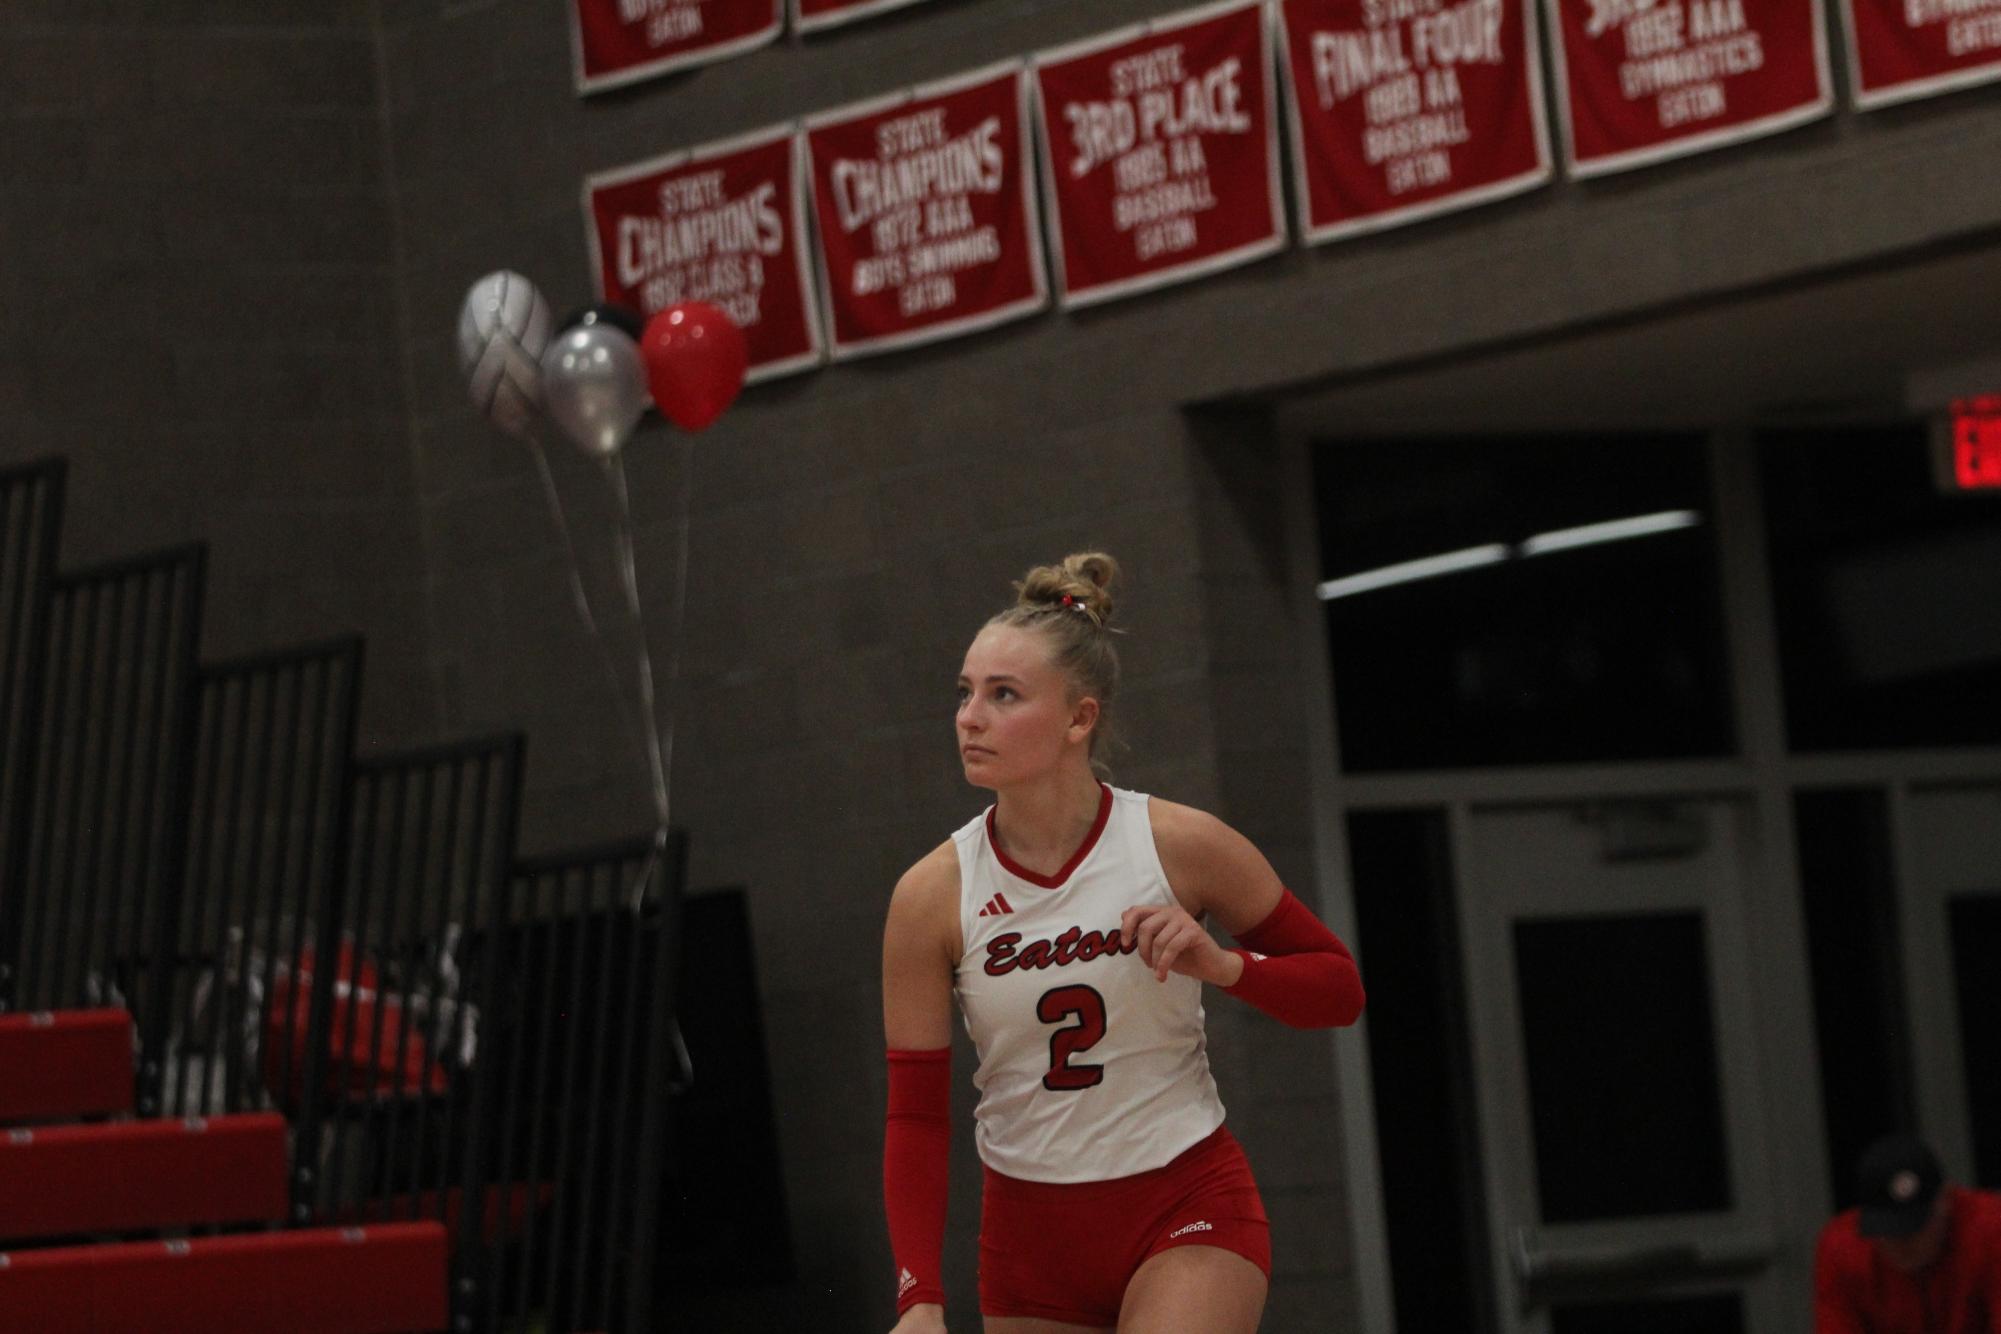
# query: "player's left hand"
1170 941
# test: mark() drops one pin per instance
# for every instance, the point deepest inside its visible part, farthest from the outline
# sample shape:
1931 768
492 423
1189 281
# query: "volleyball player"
1067 922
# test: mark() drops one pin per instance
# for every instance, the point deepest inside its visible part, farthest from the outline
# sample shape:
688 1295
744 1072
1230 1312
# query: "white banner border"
801 206
1909 90
1274 167
587 84
802 24
842 351
1494 191
1707 141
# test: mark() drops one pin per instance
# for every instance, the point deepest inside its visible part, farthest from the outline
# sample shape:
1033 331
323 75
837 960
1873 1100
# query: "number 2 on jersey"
1056 1005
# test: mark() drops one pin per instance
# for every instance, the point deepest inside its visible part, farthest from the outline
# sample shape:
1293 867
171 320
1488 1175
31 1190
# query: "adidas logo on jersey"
996 906
905 1283
1197 1226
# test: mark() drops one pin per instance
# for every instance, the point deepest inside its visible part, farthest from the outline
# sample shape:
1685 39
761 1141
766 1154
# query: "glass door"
1611 985
1949 848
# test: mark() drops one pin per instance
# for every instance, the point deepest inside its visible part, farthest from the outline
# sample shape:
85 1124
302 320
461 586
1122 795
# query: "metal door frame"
1485 918
1762 771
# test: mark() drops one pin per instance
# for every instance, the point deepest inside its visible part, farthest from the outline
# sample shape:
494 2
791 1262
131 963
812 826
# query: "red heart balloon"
695 360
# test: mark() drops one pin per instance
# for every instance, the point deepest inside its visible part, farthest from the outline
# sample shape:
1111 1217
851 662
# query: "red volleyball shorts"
1066 1250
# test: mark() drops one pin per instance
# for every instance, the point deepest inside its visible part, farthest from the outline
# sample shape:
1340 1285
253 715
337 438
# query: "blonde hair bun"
1078 631
1085 577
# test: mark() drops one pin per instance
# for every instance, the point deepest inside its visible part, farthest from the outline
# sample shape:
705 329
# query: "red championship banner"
726 224
1642 81
1403 109
926 212
1160 151
616 42
813 15
1901 49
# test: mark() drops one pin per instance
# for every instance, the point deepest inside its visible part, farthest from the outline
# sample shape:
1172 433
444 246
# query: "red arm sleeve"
1298 971
916 1149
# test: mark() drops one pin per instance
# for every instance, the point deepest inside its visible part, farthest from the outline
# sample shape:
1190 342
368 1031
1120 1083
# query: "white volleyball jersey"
1089 1068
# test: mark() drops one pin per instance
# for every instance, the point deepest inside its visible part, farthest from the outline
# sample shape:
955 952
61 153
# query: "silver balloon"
503 329
594 386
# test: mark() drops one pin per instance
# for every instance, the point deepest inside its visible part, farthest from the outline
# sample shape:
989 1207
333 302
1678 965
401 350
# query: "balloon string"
629 570
577 594
661 765
569 544
677 619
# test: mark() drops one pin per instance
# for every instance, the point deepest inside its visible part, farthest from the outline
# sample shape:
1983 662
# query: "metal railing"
30 527
590 1052
272 741
499 1058
391 1106
98 838
452 1033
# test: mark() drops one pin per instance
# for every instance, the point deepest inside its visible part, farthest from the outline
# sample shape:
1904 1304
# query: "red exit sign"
1975 443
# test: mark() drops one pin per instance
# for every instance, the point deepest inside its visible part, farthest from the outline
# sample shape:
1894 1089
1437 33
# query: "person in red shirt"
1919 1255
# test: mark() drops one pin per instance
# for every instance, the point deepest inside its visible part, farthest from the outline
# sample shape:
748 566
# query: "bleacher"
457 1123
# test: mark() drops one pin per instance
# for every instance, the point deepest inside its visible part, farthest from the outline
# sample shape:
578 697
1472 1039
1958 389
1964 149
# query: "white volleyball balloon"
503 328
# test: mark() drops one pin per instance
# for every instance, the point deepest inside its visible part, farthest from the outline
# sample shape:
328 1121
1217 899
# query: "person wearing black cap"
1918 1255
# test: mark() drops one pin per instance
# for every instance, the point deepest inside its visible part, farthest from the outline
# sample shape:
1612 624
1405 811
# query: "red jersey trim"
1076 858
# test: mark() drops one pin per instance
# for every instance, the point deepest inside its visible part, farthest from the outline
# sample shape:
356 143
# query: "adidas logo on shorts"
1197 1226
906 1283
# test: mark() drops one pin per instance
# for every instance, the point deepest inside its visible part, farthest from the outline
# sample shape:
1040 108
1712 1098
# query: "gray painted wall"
199 312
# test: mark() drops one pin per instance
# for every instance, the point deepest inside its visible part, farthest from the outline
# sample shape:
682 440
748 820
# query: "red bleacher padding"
126 1176
388 1279
65 1063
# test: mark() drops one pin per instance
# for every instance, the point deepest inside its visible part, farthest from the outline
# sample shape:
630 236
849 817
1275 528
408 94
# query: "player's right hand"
923 1318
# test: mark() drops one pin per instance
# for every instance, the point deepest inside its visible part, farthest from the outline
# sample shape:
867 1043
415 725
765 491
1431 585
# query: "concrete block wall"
1279 1083
198 287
